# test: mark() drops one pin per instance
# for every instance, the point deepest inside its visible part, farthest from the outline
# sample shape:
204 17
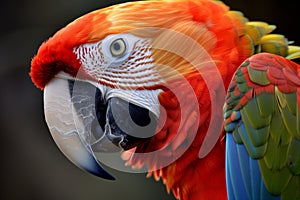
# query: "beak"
84 118
69 130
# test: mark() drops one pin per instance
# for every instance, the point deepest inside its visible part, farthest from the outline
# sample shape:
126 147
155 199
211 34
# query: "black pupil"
117 46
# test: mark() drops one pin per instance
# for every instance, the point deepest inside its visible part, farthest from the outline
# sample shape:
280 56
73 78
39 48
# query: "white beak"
67 128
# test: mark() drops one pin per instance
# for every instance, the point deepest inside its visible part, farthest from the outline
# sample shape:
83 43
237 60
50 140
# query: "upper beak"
66 130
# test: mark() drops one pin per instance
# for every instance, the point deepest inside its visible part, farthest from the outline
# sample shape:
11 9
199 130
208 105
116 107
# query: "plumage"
269 134
175 60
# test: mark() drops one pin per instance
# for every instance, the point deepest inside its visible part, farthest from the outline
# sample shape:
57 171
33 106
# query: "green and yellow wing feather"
262 113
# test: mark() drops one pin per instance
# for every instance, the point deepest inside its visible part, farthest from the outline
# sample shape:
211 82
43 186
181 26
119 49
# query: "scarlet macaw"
150 78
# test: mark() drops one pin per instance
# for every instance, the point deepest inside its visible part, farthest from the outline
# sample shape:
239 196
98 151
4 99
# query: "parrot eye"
118 47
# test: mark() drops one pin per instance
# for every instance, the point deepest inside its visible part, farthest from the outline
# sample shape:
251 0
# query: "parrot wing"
262 121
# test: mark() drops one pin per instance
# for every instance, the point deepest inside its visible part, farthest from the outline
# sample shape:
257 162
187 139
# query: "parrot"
205 99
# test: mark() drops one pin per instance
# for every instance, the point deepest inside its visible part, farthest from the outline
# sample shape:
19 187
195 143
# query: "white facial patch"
144 98
132 69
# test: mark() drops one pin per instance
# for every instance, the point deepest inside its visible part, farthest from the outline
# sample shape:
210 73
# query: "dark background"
31 166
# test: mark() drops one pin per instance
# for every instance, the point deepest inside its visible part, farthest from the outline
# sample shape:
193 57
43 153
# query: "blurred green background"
31 166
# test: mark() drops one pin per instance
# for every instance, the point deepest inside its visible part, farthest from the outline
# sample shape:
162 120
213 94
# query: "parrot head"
106 77
92 79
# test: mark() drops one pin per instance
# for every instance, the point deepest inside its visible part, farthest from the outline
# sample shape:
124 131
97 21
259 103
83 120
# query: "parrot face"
102 83
102 109
117 78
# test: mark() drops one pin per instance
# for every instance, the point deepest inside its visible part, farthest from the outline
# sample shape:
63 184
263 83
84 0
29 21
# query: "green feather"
239 76
254 152
291 98
292 190
278 131
289 120
298 122
258 76
251 112
289 111
245 63
276 156
275 180
280 97
294 156
265 102
258 136
236 136
243 87
241 82
227 113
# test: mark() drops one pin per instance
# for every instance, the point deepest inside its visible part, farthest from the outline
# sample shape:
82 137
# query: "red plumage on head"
56 54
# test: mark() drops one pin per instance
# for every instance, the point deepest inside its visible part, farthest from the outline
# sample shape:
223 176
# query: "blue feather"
244 161
243 177
233 171
255 180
